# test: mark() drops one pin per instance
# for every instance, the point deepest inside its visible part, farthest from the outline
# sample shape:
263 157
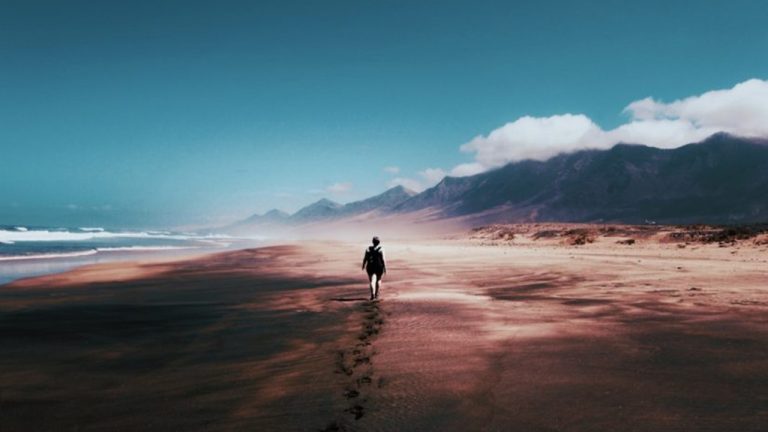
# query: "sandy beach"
473 333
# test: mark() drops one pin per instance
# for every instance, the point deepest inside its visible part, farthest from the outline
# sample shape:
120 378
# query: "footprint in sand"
356 410
356 362
333 427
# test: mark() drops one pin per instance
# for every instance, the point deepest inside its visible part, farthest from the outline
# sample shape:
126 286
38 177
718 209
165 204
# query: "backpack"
375 258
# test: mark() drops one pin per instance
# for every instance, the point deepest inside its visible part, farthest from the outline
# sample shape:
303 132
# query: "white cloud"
408 183
661 133
392 170
533 138
467 169
432 176
427 178
741 110
338 188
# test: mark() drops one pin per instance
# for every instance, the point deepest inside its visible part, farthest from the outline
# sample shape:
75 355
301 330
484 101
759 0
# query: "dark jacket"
373 261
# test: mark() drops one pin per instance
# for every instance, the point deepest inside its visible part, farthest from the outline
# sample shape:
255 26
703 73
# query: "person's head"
376 241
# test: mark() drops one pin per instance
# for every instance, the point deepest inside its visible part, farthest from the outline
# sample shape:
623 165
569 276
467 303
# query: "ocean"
31 251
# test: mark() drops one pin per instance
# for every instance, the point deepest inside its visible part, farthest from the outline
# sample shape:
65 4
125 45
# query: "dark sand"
467 337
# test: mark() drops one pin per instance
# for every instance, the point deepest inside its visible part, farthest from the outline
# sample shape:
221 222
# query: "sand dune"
478 334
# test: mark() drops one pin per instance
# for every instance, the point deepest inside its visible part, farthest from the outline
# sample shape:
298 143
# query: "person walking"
375 265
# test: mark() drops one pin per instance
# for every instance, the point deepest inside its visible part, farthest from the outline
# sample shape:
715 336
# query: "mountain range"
326 210
723 179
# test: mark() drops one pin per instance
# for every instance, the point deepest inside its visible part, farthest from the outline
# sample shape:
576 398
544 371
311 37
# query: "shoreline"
22 268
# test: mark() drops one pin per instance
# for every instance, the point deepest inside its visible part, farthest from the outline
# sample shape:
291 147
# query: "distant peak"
720 135
321 209
729 138
326 201
276 213
400 189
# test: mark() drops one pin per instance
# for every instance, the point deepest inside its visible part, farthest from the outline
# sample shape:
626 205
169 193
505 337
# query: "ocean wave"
49 255
143 248
91 229
65 235
93 251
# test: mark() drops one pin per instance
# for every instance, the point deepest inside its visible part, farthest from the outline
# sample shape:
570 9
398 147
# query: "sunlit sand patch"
499 331
297 301
281 376
443 295
310 299
502 331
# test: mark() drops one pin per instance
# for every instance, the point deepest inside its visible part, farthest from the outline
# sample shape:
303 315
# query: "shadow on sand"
348 299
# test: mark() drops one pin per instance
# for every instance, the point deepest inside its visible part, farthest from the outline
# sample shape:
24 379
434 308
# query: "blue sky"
174 113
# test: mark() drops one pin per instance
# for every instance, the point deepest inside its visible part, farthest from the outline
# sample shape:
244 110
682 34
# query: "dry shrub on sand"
589 234
493 232
712 234
546 234
580 236
634 231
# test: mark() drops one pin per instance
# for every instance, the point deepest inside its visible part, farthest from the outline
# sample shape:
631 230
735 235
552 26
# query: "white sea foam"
92 229
21 228
49 256
143 248
47 235
93 252
216 243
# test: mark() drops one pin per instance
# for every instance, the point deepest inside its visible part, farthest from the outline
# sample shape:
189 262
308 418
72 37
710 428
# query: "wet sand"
468 336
